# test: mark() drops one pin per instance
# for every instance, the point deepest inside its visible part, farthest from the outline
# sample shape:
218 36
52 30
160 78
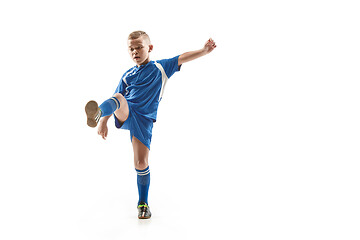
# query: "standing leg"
141 154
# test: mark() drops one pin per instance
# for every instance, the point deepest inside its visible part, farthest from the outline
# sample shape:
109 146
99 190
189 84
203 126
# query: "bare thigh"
141 154
123 112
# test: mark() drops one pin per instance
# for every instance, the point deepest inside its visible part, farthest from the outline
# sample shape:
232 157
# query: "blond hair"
137 34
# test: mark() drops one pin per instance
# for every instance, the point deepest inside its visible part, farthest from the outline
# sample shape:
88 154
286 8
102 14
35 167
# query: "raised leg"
121 113
116 104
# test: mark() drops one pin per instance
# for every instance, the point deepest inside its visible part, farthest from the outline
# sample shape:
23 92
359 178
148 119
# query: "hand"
209 46
103 129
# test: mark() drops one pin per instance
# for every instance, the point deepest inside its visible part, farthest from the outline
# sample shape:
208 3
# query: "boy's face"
139 50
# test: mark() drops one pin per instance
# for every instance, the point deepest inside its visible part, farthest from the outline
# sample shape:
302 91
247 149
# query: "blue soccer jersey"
143 87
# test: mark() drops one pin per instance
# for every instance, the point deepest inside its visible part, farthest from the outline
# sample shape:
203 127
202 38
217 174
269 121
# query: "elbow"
181 60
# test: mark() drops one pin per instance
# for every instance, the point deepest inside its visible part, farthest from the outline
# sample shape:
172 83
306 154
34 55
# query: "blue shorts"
138 125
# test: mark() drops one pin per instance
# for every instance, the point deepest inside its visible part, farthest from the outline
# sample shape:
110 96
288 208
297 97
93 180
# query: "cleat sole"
91 110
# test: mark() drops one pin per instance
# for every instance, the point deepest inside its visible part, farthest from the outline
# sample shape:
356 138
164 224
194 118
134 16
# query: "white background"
258 140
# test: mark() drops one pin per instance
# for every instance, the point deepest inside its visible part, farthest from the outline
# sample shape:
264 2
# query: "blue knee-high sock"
109 106
143 182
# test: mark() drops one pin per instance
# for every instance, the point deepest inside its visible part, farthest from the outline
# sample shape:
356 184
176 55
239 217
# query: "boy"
135 103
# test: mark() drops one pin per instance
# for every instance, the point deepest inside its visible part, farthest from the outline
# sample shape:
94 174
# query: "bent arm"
189 56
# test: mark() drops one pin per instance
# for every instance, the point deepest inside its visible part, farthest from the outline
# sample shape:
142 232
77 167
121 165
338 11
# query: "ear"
151 47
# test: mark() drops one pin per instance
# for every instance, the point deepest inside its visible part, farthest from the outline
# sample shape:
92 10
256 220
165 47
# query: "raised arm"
189 56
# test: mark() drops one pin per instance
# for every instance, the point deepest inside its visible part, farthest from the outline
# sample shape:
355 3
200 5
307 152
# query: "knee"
141 164
121 99
119 96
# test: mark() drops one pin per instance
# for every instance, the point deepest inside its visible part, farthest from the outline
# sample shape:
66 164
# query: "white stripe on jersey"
130 72
164 79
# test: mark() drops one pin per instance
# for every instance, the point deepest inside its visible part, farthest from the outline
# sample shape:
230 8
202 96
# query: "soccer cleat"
143 211
93 113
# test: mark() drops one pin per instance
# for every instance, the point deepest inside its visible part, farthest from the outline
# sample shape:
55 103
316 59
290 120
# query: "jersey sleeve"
170 65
